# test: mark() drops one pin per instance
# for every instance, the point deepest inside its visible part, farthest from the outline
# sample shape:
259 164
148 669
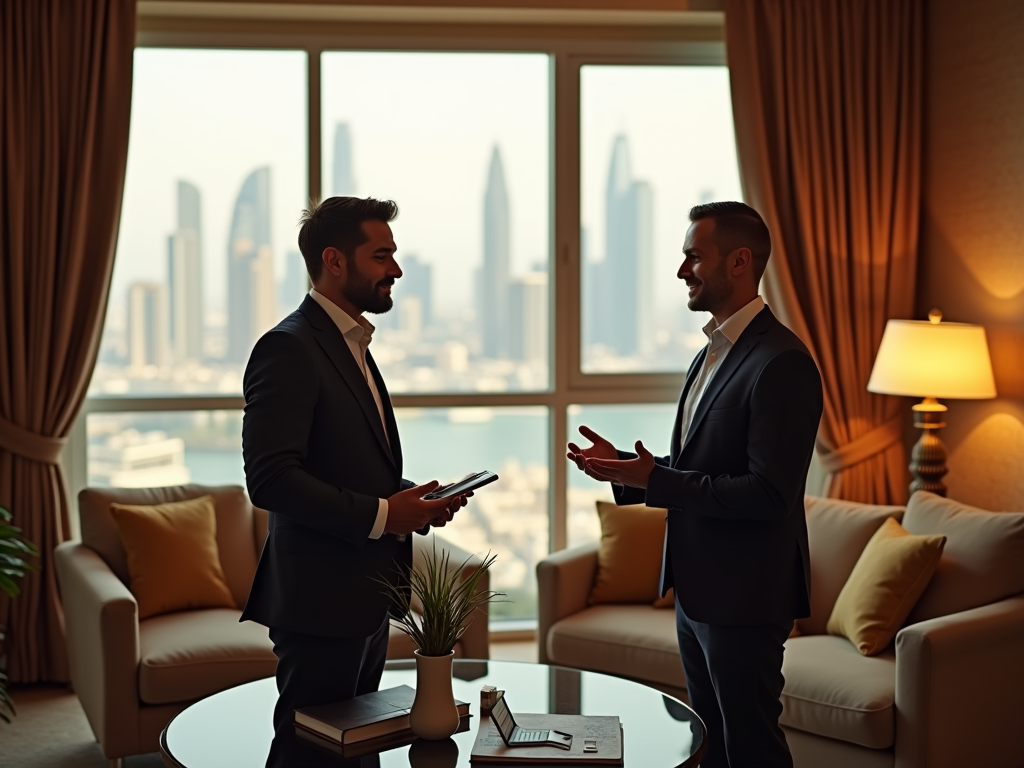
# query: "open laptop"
514 736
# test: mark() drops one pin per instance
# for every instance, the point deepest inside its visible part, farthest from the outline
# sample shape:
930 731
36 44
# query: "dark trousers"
734 678
319 670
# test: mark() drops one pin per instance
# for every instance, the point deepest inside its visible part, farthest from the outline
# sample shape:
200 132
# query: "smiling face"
705 270
361 281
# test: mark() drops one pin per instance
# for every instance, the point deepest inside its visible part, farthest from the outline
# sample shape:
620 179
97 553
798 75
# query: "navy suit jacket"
317 459
736 536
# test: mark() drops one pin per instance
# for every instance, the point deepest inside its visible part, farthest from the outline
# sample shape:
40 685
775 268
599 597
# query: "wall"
972 229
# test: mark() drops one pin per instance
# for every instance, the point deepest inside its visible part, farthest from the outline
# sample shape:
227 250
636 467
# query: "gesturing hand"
408 512
635 472
600 449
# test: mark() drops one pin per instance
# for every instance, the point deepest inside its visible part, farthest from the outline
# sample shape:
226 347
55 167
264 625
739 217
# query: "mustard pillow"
890 576
173 561
629 560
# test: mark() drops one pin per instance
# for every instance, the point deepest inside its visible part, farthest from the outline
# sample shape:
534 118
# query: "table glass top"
234 727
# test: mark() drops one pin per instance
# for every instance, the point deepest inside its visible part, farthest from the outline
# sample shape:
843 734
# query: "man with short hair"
733 483
322 455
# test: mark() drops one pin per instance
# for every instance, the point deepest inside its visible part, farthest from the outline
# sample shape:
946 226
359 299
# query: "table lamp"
932 359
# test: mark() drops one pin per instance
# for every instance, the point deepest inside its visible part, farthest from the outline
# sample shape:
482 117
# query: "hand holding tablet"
469 483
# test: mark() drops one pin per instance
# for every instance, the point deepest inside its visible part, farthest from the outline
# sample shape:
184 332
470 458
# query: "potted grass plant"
449 601
13 550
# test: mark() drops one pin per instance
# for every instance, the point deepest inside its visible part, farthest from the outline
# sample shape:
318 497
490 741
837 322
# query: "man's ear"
741 260
334 261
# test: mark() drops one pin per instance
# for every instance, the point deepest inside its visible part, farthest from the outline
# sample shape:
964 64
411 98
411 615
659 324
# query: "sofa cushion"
236 543
637 641
172 556
629 560
837 532
891 575
983 560
186 656
833 691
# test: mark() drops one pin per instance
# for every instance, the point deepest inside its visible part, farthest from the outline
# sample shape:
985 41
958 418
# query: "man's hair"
737 225
337 222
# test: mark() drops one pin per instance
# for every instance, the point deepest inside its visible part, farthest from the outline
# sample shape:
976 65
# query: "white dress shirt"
357 333
721 339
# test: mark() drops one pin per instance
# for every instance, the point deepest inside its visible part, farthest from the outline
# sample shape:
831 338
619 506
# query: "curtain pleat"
64 113
827 101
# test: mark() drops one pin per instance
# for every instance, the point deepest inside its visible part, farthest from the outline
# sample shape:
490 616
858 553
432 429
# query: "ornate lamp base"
928 457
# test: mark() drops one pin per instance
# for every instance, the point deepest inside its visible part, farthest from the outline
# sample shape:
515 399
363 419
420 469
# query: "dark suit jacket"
736 539
317 458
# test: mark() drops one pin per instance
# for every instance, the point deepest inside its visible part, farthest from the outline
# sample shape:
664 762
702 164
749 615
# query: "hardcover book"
365 717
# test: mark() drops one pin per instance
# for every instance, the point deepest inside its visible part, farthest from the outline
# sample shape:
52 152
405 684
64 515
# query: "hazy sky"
423 128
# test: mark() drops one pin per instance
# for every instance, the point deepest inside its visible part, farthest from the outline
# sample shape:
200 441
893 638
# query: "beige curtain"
827 99
64 108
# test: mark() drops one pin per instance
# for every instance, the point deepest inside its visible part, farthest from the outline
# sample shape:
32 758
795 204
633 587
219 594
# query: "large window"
543 184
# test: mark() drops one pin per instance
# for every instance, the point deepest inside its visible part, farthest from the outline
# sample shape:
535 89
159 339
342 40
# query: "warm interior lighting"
932 359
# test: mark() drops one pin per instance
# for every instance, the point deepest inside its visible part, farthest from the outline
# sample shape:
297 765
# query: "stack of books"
373 722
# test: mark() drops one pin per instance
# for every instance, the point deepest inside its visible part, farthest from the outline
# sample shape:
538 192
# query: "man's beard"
713 293
365 296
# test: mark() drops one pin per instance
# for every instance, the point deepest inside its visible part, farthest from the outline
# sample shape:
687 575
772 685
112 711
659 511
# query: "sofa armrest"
475 641
960 689
101 619
564 580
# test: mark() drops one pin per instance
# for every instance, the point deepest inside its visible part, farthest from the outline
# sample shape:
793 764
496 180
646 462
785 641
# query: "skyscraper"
417 280
493 296
528 322
342 181
624 283
148 338
251 309
295 285
185 277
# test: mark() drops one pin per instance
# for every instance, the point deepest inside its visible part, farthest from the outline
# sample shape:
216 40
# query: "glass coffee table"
234 727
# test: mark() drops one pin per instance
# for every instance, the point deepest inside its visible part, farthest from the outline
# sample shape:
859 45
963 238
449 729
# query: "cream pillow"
629 560
893 571
173 560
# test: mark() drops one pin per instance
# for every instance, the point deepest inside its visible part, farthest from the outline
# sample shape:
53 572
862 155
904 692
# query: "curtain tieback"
21 441
864 447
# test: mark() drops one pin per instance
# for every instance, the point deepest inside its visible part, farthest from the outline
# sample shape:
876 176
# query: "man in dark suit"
733 483
322 455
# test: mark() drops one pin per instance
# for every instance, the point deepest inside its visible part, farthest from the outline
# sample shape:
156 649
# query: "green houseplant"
449 601
13 550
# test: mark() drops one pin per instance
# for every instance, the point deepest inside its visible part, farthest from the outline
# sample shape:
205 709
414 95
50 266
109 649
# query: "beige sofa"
132 677
948 693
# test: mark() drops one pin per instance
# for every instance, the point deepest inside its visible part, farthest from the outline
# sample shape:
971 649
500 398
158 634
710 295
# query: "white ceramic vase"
434 714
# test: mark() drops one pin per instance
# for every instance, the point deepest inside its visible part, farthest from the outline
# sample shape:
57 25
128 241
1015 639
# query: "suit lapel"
691 376
336 348
746 342
389 412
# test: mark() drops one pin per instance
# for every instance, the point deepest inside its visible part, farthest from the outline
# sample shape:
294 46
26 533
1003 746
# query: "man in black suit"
322 455
733 483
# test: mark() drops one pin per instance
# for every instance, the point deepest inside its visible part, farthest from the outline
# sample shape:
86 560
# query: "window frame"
644 40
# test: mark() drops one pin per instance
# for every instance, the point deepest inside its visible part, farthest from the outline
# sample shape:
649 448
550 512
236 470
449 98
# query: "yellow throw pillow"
890 576
629 561
173 560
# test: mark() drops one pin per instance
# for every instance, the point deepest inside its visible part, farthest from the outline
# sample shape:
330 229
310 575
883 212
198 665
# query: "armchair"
132 677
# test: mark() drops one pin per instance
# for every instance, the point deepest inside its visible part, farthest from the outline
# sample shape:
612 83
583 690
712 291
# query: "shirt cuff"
382 519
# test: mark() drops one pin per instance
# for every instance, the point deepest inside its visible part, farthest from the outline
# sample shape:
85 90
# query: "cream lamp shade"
933 359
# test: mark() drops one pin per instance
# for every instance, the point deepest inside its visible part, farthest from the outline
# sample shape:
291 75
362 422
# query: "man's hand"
600 449
635 472
456 504
408 512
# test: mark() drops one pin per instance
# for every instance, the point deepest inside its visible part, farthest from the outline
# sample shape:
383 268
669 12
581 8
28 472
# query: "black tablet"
469 483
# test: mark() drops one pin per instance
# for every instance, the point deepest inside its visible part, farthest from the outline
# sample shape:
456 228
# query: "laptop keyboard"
522 734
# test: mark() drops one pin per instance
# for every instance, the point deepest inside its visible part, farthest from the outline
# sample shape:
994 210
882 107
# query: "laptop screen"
502 717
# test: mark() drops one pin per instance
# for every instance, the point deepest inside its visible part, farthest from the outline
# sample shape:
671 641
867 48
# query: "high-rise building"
624 279
148 336
185 277
251 289
342 181
417 280
493 296
295 284
528 322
